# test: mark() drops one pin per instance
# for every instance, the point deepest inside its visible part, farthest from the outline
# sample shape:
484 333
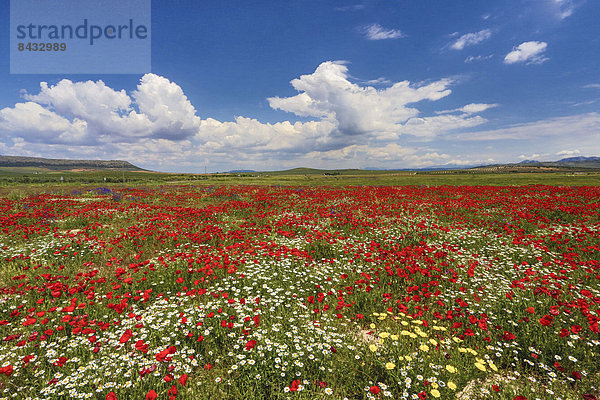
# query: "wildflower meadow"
283 292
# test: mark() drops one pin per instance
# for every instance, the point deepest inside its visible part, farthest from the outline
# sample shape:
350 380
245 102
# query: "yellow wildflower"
452 385
435 393
372 347
451 369
390 365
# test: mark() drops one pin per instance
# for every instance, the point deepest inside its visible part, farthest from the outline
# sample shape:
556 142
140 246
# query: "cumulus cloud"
529 52
41 125
358 110
470 39
86 112
346 118
378 32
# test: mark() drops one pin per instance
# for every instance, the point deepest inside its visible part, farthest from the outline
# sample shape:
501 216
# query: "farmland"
244 288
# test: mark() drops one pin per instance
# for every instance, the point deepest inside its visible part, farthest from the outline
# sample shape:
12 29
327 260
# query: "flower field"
267 292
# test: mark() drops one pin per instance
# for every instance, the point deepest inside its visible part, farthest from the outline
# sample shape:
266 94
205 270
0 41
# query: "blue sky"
332 84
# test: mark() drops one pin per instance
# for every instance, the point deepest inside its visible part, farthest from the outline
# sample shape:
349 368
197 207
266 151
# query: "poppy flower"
183 379
546 320
151 395
375 389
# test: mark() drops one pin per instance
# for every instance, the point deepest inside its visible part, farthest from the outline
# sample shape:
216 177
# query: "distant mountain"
579 159
529 162
240 171
56 164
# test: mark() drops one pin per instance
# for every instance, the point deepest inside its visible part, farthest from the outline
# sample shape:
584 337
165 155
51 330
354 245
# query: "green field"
29 181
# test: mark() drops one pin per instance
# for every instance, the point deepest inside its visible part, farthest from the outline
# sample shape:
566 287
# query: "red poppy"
295 385
111 396
375 389
183 379
151 395
126 336
546 320
8 370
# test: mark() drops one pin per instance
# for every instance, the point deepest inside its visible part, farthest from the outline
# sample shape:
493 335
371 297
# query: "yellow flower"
462 350
435 393
480 366
493 366
417 321
452 385
381 341
395 337
400 358
406 333
408 358
372 326
384 335
412 335
434 385
470 350
372 347
433 342
390 365
424 347
457 340
404 323
451 369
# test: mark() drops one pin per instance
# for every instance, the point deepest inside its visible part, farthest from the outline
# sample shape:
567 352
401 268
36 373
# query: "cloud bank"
342 124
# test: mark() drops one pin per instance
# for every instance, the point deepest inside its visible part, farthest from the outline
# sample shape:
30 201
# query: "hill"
56 164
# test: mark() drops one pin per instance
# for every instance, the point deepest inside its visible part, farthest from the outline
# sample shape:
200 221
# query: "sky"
265 85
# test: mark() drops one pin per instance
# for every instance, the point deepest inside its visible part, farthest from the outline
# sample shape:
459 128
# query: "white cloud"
471 59
38 124
88 111
592 86
156 126
377 32
568 152
563 8
358 110
569 128
469 39
472 108
530 52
